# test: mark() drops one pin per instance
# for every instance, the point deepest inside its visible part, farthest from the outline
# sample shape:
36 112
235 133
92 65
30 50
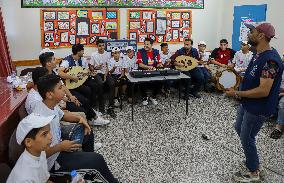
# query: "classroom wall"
24 37
275 15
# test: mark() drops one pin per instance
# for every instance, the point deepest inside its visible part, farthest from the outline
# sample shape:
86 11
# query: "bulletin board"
170 26
66 27
173 4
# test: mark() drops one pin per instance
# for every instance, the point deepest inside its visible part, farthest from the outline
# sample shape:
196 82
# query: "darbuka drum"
189 63
227 78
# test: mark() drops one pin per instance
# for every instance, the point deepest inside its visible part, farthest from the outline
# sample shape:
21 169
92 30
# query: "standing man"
196 74
259 93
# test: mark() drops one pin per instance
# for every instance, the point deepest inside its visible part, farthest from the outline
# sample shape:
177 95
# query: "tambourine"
227 78
189 63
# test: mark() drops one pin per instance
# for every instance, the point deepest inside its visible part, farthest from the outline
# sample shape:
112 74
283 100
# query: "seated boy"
33 96
33 132
203 64
223 55
242 58
165 55
64 155
117 68
130 61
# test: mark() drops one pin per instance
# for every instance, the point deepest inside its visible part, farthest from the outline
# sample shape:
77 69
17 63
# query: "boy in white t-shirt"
99 61
130 59
203 64
165 55
33 132
242 58
116 67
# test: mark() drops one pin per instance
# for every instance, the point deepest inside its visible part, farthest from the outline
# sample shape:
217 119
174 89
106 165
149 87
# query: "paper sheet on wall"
243 29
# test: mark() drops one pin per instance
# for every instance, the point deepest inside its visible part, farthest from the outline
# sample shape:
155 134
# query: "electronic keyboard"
150 73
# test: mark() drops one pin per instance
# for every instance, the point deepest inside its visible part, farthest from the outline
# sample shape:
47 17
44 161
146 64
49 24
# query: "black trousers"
85 105
108 85
197 79
85 160
154 87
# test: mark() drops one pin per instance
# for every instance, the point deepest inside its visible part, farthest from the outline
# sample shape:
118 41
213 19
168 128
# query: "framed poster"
48 26
63 15
133 35
175 23
150 27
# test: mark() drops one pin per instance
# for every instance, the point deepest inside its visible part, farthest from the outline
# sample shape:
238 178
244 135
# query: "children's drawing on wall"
72 39
111 25
64 37
83 29
64 15
48 37
48 26
161 26
49 15
63 25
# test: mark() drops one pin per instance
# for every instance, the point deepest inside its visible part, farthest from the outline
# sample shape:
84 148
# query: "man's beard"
252 43
187 48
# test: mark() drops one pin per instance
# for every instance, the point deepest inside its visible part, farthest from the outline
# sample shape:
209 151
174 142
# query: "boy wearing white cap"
117 67
33 132
131 59
203 64
242 58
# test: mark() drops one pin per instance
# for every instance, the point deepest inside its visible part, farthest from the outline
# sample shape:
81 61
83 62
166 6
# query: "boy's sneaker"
97 146
116 102
98 113
111 112
145 101
154 101
246 176
99 121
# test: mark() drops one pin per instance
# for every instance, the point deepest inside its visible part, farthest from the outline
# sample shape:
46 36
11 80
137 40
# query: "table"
151 79
10 101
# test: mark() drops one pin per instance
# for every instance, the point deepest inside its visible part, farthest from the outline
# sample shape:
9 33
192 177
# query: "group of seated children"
50 102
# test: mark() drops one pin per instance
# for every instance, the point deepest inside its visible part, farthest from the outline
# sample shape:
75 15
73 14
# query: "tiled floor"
164 145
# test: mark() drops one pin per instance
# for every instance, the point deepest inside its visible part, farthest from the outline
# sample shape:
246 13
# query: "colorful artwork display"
66 27
160 25
173 4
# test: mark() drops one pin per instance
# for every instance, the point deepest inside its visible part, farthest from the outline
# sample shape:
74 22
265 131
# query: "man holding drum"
259 93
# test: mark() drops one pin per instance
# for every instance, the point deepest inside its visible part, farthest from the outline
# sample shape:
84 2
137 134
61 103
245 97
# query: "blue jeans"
197 78
247 126
280 117
206 74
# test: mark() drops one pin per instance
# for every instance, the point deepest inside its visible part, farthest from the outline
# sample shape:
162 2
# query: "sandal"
276 134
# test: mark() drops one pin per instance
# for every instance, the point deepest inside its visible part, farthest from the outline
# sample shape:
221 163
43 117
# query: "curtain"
6 65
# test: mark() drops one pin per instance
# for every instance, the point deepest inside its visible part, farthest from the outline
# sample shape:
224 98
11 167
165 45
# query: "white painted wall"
275 15
24 37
